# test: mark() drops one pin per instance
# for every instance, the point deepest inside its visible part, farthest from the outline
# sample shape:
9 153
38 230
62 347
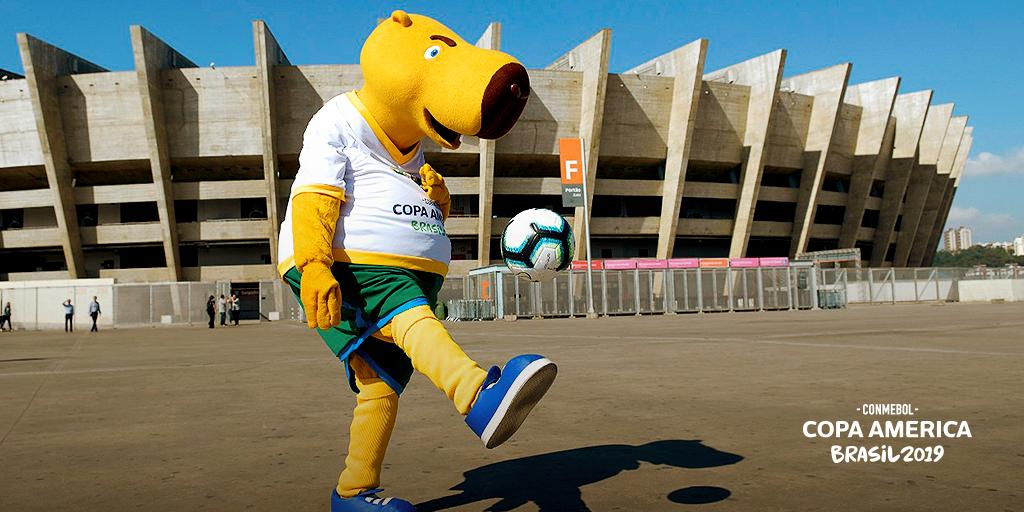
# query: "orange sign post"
570 152
574 193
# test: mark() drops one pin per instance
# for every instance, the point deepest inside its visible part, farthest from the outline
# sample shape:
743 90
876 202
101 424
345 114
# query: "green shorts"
371 296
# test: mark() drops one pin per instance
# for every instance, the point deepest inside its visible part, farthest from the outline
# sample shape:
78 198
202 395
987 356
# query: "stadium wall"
175 172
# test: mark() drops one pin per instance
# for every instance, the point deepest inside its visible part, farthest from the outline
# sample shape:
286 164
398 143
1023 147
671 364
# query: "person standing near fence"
69 316
94 313
222 309
6 317
236 308
211 309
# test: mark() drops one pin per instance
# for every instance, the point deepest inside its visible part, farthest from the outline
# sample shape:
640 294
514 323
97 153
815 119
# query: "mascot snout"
504 100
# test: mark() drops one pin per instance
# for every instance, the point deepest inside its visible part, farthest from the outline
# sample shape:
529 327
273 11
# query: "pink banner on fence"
743 262
651 264
775 262
683 263
619 264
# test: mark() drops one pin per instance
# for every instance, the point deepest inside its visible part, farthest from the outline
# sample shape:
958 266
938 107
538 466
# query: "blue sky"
969 53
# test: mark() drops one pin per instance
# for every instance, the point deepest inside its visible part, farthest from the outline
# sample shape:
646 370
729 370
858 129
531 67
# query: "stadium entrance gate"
249 300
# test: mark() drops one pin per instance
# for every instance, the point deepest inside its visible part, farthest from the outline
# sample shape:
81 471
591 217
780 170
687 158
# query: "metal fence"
669 291
645 291
139 305
892 285
1008 272
463 309
495 293
144 304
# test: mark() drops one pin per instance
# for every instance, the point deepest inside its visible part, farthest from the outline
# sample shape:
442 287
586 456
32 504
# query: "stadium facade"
172 171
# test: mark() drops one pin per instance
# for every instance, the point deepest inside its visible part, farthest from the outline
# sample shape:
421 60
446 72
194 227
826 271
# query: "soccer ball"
537 244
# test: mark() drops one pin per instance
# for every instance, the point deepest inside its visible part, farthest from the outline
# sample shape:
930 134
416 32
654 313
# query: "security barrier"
643 291
470 309
890 285
737 285
982 272
39 305
493 292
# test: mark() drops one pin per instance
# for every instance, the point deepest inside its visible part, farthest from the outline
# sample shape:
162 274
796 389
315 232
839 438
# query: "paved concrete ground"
653 413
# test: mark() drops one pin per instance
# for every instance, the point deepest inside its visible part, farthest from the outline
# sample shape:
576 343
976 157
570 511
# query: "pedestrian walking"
211 309
94 313
222 309
69 316
236 308
6 317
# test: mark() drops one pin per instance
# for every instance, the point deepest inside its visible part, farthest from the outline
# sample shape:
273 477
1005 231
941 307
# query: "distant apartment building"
1018 246
1006 246
957 239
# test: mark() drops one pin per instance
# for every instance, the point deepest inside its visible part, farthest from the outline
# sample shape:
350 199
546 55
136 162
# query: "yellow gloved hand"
321 296
314 218
437 191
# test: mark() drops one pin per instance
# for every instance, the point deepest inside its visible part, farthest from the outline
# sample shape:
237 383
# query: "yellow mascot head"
422 80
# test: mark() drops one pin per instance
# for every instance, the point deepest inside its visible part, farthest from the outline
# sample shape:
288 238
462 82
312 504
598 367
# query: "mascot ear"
402 18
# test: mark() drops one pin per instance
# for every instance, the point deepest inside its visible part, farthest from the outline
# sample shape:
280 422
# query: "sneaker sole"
528 388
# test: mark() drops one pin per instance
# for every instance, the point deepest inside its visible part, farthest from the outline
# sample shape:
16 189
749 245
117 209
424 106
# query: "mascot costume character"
363 243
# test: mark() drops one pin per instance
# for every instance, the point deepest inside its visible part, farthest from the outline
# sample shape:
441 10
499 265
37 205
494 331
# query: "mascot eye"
432 52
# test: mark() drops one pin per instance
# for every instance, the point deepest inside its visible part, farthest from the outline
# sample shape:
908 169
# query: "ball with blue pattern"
537 244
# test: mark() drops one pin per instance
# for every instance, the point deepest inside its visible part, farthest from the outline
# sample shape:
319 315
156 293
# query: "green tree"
977 255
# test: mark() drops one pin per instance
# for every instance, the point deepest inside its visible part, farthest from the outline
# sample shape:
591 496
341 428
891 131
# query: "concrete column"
962 154
491 40
937 191
763 75
686 65
268 55
938 220
152 56
909 112
590 58
935 124
43 63
917 194
828 86
873 151
947 201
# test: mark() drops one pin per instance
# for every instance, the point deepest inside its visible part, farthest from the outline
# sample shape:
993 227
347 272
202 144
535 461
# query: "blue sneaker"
508 396
368 501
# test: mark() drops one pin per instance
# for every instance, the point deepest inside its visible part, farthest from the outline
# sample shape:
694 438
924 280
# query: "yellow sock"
372 423
435 354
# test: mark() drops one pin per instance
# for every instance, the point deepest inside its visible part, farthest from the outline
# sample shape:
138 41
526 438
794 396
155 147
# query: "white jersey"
386 217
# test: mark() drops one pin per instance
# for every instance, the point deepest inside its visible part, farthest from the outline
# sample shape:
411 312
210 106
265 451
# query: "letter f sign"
571 153
571 166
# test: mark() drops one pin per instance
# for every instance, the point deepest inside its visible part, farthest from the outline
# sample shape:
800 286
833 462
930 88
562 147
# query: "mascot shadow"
553 481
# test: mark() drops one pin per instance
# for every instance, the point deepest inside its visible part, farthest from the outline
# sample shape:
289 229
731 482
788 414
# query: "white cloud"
958 215
989 164
985 226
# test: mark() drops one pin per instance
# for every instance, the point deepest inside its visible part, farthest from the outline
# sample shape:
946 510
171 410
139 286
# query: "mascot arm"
437 191
314 218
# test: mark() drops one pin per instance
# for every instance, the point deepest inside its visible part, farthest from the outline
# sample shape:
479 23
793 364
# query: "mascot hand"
321 296
437 191
314 218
